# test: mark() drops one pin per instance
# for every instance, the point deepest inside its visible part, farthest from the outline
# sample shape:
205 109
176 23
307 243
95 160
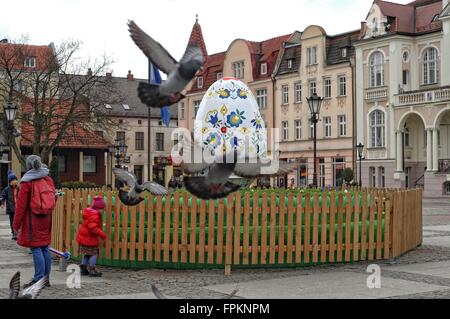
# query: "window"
89 164
343 52
139 172
405 77
160 142
342 86
298 129
298 92
139 122
406 137
312 55
285 125
327 126
126 107
30 62
196 107
327 88
263 68
376 65
139 141
374 26
261 98
377 129
289 63
285 94
430 66
108 106
238 69
199 82
182 110
120 137
381 177
405 56
372 177
219 75
18 85
321 172
447 188
62 163
311 130
342 125
312 88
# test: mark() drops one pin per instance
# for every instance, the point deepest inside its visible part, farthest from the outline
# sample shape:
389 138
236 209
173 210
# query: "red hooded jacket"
91 228
33 230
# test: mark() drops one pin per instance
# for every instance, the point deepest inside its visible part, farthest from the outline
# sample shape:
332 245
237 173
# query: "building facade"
403 96
321 64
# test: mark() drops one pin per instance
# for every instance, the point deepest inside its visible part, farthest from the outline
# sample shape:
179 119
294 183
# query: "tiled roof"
213 65
336 43
76 136
413 18
293 53
196 38
42 53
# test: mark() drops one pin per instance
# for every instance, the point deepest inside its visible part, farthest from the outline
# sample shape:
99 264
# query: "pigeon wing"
33 291
198 186
125 177
250 169
158 293
152 49
155 188
192 53
14 286
195 159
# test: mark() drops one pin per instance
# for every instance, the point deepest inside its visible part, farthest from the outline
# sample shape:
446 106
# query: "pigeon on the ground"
179 74
31 292
209 178
159 295
129 189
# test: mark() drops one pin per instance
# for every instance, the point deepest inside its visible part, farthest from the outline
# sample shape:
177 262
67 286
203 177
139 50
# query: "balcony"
423 96
376 93
444 166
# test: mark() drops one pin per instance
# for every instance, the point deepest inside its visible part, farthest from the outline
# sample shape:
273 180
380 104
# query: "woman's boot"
93 272
84 270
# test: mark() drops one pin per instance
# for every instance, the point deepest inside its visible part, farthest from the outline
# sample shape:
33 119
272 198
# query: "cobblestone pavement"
422 273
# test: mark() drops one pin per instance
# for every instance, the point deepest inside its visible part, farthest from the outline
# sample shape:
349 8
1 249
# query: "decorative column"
399 156
429 149
435 150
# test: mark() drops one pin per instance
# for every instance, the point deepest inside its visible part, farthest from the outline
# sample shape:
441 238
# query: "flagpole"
149 132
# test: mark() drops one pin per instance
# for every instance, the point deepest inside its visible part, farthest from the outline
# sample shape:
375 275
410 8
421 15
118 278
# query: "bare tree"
58 94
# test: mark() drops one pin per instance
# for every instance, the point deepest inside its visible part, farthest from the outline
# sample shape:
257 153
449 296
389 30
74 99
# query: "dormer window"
30 62
108 106
126 107
343 52
200 82
374 26
219 75
263 68
290 63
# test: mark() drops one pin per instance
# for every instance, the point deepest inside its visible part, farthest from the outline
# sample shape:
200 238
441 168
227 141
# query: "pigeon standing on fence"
179 74
130 190
31 292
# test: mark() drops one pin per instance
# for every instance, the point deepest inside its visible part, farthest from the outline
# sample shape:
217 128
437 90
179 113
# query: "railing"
375 94
257 229
444 165
421 97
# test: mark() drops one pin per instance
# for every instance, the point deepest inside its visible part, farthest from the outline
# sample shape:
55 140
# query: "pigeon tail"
127 200
198 186
150 95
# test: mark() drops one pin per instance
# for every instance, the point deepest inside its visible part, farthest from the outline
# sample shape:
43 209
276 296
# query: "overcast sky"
101 24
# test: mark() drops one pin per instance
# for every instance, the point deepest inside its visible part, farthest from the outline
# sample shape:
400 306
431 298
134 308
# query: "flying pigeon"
179 74
129 189
209 177
31 292
160 295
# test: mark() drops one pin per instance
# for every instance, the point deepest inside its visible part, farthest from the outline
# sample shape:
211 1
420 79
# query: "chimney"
108 75
363 29
89 72
130 76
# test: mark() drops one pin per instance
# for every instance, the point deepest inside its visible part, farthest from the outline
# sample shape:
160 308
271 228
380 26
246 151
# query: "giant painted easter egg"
229 119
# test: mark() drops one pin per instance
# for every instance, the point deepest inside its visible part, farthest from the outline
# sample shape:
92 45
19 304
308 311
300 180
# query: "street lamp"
314 103
360 148
10 110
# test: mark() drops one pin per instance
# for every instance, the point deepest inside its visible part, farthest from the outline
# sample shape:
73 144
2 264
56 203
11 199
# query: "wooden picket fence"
253 229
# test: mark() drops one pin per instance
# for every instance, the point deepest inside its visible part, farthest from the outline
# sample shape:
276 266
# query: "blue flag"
155 78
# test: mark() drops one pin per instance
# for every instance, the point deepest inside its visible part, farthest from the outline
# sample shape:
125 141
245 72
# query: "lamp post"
10 110
314 103
360 148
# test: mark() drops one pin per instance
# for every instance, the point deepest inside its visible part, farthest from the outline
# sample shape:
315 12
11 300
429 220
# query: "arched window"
372 177
381 177
430 66
376 63
377 129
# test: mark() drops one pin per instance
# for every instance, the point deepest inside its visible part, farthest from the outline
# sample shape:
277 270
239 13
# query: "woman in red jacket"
34 230
88 234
